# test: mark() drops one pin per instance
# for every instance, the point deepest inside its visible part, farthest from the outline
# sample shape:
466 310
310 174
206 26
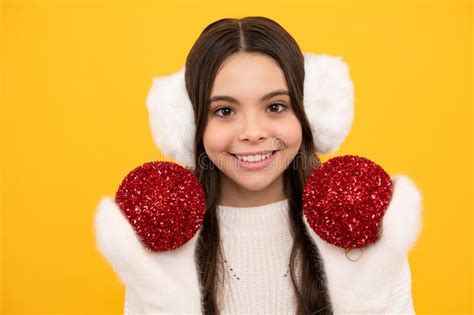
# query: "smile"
255 157
254 162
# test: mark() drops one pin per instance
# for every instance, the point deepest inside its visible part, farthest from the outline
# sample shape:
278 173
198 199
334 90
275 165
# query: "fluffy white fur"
328 102
171 117
380 281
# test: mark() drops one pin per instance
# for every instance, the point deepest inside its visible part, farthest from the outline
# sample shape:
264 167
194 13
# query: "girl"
253 148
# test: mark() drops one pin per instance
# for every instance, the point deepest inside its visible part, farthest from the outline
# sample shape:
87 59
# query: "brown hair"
218 41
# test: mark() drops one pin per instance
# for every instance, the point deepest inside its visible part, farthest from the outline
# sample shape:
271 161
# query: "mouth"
255 165
235 155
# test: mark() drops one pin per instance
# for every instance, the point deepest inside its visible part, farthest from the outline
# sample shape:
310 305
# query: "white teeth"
254 158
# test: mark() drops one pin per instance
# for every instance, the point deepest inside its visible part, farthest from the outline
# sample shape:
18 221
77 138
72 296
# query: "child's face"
251 124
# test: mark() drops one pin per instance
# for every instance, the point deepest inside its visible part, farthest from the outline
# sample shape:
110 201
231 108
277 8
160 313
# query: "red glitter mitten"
344 200
164 202
148 234
364 225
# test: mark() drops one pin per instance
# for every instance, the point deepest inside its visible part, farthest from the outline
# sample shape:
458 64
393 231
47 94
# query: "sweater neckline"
271 218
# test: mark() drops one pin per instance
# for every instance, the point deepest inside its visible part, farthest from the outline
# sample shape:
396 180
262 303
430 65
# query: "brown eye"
224 111
276 106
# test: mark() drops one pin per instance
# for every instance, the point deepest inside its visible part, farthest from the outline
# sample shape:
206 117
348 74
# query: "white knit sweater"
257 243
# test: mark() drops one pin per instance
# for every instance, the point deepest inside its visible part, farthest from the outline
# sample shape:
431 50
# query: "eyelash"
281 104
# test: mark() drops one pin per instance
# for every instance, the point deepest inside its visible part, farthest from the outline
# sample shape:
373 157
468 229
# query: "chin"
253 183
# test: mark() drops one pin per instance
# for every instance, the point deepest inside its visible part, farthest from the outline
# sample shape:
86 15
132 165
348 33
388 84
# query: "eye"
275 105
223 110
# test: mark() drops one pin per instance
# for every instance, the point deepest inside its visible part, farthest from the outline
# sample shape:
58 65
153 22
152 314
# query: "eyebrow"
233 100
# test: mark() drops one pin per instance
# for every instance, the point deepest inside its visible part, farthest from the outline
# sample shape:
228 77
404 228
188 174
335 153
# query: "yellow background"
75 75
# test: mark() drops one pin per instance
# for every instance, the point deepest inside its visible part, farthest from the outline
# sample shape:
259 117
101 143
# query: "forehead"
248 75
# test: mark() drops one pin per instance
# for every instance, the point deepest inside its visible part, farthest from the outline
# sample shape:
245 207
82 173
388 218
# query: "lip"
255 165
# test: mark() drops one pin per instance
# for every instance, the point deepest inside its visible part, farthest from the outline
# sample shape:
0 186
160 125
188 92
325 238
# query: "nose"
253 130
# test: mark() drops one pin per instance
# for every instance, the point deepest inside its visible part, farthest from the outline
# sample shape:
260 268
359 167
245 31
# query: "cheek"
291 130
216 138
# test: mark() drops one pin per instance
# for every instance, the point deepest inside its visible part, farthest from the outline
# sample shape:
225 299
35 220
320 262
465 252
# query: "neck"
234 195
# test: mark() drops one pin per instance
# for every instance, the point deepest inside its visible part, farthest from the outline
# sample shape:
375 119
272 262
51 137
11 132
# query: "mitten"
148 234
364 225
